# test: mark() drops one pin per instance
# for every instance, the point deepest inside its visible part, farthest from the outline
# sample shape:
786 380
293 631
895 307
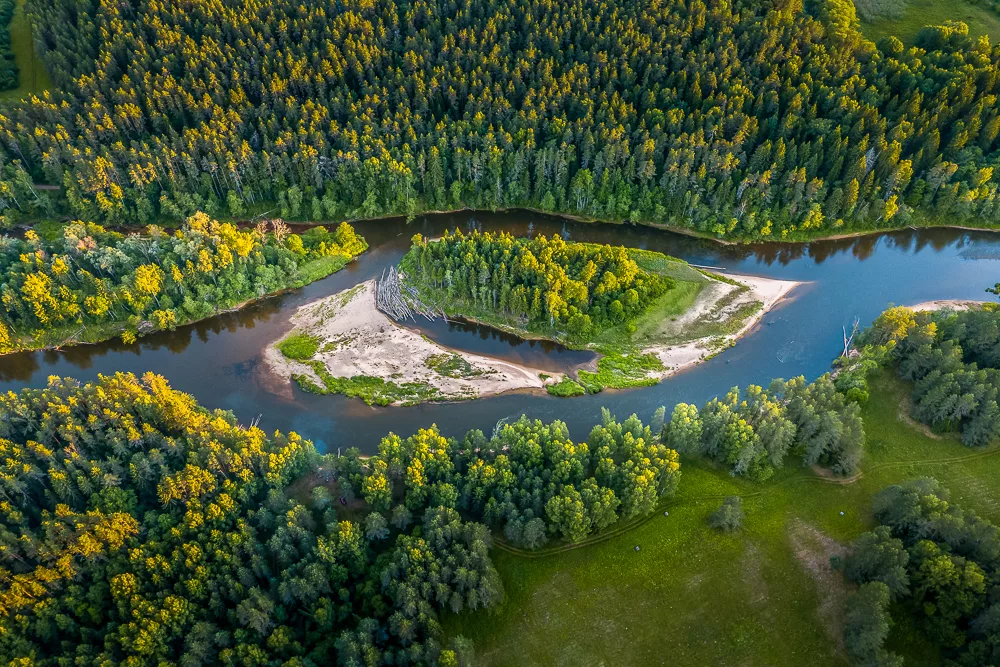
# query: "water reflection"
485 340
219 360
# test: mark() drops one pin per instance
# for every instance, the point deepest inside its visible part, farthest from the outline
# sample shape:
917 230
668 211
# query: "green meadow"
694 596
919 13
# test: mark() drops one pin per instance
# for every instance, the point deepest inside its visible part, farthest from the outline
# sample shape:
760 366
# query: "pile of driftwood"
398 301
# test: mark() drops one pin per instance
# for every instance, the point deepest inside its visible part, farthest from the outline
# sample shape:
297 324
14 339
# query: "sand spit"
358 340
948 304
765 291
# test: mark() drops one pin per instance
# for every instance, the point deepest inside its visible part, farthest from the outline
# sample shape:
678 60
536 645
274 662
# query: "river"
219 360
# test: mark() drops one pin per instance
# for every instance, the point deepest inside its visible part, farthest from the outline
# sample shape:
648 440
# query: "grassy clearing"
566 388
920 13
695 596
320 268
33 77
620 371
299 346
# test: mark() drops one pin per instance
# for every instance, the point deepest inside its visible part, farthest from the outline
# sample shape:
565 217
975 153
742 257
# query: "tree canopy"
93 277
752 118
138 528
578 288
941 561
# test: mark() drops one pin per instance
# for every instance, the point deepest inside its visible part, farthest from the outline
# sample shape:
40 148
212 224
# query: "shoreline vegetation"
342 344
89 285
646 314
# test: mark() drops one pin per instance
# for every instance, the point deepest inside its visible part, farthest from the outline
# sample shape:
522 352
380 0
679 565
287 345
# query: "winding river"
219 360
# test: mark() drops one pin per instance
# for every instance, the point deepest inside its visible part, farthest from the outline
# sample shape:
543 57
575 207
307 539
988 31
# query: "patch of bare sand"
948 304
813 550
765 291
356 339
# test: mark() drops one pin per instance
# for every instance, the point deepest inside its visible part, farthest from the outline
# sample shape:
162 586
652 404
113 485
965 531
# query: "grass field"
694 596
34 78
920 13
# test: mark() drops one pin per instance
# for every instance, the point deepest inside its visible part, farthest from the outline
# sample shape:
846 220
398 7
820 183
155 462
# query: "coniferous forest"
747 118
138 528
151 185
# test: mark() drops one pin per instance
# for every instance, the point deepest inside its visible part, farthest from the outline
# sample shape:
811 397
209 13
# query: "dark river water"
219 360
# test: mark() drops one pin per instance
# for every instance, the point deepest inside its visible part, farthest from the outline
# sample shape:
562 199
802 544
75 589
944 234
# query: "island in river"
344 344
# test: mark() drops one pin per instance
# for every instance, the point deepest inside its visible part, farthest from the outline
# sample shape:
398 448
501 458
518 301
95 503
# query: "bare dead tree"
848 339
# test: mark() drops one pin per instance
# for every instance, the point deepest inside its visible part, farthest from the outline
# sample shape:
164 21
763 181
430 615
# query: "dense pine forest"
953 359
92 284
574 287
749 119
931 559
139 528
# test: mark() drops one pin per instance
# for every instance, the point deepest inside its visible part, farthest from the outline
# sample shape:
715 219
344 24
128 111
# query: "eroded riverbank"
357 344
352 348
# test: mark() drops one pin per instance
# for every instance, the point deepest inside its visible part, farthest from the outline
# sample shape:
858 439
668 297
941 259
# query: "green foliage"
831 138
905 19
372 390
299 346
878 556
755 432
952 562
8 65
31 74
866 627
567 290
953 359
617 370
91 283
560 607
729 517
150 530
566 388
449 364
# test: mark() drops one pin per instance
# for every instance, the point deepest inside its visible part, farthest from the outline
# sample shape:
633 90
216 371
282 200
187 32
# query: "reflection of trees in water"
19 367
23 366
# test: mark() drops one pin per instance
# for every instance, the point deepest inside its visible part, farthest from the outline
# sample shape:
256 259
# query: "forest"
92 283
933 560
746 119
575 288
953 359
756 431
8 68
140 528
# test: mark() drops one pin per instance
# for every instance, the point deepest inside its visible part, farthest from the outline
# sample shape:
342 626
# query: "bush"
729 517
566 387
299 347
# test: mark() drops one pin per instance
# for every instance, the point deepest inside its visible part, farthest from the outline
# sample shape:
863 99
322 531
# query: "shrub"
299 346
566 387
729 517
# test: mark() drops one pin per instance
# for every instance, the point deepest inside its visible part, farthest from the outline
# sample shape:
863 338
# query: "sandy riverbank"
765 291
948 304
359 340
